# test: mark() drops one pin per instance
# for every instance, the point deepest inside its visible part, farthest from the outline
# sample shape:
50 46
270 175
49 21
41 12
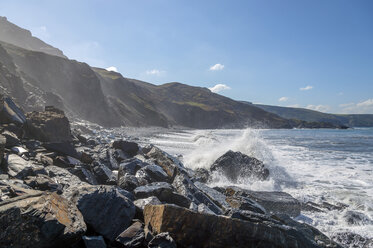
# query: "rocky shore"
67 188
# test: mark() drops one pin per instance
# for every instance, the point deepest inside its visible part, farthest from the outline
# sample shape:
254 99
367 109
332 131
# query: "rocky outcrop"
205 230
10 112
39 220
50 125
235 165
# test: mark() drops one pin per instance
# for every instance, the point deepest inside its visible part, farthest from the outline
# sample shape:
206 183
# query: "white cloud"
363 107
155 72
112 68
40 32
283 99
321 108
308 87
294 106
219 87
217 67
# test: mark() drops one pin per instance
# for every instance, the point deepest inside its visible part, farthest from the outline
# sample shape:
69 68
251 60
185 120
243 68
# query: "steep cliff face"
20 37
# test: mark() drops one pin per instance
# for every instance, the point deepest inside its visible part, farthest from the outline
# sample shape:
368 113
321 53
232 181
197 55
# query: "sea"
313 165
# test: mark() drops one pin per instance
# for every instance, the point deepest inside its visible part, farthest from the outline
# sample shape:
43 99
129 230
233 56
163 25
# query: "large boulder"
235 165
40 220
10 112
191 229
50 125
129 148
11 139
132 237
152 173
107 209
20 168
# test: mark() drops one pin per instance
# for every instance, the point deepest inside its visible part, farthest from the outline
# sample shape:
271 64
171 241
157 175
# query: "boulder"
50 125
128 182
84 173
218 198
347 239
130 166
13 188
184 186
40 220
162 240
130 148
107 209
94 242
164 192
11 139
236 164
20 168
10 112
103 174
132 237
2 147
152 200
63 177
43 183
63 148
357 218
191 229
152 173
273 202
201 175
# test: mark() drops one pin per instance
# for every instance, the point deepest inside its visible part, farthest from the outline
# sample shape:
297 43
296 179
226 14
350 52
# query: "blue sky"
316 53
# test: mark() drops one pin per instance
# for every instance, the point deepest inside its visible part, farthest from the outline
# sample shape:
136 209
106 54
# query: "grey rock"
20 168
201 175
218 198
152 173
2 147
103 174
132 237
162 240
62 148
11 139
84 174
10 112
235 164
130 167
164 192
141 203
357 218
130 148
43 183
94 242
63 177
128 182
107 209
352 240
202 208
13 188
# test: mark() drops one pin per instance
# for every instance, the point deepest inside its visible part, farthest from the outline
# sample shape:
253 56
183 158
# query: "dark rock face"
235 164
130 167
49 126
164 192
94 242
128 182
105 208
152 173
130 148
132 237
2 147
141 203
39 220
357 218
220 231
11 139
62 148
162 240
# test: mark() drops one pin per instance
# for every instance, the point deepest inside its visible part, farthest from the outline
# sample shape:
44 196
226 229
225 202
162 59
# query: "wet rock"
10 112
203 209
39 220
152 200
352 240
62 148
164 192
218 198
357 218
184 186
11 139
2 147
130 148
128 182
50 125
43 183
107 209
273 202
94 242
162 240
205 230
20 168
132 237
103 174
130 167
152 173
201 175
235 164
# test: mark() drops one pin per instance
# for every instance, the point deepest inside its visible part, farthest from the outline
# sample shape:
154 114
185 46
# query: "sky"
315 54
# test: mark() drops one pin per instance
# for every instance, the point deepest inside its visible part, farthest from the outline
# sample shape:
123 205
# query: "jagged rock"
162 240
2 147
245 203
218 198
86 158
132 237
352 240
112 160
94 242
164 192
62 148
107 209
44 159
128 182
323 206
63 177
20 168
130 167
43 183
235 164
84 174
103 174
50 125
40 220
141 203
168 163
203 209
184 186
201 175
130 148
10 189
11 139
19 150
10 112
205 230
273 202
357 218
152 173
62 161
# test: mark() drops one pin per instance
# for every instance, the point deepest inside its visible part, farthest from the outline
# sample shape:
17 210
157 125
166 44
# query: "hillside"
351 120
